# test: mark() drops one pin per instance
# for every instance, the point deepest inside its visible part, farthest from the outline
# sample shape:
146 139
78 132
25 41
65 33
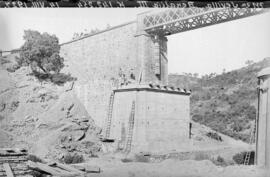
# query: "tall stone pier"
263 120
107 59
152 55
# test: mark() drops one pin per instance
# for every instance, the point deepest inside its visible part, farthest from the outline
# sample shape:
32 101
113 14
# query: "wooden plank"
50 170
15 169
12 154
87 168
42 168
17 165
8 158
8 170
13 161
13 157
69 168
92 169
26 172
18 173
78 166
13 150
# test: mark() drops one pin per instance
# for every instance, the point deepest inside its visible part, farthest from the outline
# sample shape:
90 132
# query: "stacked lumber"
13 163
61 170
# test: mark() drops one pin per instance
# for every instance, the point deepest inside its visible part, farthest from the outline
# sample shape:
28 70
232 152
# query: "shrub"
201 156
40 76
73 158
142 158
195 97
239 158
37 174
214 135
33 158
1 117
11 69
3 61
61 78
20 61
197 118
14 105
125 160
219 161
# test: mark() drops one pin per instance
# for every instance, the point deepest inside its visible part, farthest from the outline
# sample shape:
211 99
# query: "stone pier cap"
153 87
264 72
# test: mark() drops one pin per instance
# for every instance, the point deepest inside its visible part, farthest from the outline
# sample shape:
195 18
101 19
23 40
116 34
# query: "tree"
223 71
108 26
196 75
75 36
41 53
249 62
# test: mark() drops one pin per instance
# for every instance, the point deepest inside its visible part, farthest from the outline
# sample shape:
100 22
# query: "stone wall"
104 60
167 121
161 119
97 61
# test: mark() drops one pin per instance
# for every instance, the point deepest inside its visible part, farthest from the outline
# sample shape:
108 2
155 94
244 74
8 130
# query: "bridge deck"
171 21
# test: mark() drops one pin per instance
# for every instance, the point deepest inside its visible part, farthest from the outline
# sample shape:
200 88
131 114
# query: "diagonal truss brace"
173 21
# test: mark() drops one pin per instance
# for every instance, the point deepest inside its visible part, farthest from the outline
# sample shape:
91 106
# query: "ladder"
130 128
109 116
252 138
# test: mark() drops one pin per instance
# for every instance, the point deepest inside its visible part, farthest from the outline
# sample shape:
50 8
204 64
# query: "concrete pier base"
161 119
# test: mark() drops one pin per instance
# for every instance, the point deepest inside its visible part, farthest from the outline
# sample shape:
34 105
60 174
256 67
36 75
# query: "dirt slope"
42 117
174 168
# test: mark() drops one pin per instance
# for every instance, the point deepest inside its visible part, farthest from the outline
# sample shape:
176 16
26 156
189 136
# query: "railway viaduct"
135 51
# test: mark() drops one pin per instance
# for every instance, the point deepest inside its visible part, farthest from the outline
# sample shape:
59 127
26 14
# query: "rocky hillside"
227 102
45 118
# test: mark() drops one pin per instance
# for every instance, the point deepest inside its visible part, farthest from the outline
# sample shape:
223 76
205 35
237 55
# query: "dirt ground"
173 168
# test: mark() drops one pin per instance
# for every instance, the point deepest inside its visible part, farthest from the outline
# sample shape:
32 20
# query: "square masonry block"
160 120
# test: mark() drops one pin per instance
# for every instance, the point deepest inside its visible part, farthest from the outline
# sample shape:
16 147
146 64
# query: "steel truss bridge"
171 21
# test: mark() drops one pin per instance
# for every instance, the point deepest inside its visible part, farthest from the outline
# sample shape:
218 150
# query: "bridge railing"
174 20
164 16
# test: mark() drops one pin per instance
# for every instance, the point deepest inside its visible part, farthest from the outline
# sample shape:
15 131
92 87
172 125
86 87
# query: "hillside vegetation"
227 102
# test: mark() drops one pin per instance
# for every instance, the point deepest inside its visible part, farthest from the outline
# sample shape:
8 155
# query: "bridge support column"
152 56
163 59
263 120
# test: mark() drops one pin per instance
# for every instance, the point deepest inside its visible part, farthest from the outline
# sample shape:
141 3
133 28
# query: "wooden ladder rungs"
110 109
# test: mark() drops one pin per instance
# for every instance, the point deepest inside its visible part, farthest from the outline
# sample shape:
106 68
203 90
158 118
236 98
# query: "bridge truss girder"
173 21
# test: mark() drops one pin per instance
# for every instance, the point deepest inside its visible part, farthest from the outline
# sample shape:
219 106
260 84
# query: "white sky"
205 50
